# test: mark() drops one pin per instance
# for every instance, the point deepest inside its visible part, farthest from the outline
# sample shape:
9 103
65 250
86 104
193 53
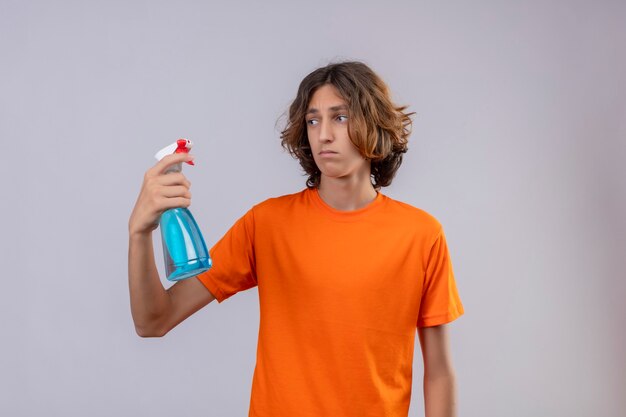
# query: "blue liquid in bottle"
184 250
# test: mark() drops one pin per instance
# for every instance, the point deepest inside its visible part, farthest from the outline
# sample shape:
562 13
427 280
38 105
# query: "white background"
518 149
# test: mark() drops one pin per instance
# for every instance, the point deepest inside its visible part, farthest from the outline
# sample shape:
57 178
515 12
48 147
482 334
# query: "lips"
327 152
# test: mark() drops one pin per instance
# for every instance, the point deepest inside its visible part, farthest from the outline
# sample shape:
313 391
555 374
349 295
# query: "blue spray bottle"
184 251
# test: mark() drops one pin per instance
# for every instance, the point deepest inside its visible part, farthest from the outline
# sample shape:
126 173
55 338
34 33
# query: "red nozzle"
183 147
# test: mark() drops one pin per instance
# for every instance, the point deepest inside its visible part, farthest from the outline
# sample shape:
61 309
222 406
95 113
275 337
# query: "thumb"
170 160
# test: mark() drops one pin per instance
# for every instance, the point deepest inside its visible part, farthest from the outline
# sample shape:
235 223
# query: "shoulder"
279 203
413 215
411 210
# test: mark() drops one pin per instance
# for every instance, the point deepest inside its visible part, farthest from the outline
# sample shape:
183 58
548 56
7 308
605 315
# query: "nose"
326 134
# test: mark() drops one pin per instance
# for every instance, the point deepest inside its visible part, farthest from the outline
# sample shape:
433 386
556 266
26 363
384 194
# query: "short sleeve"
440 302
234 264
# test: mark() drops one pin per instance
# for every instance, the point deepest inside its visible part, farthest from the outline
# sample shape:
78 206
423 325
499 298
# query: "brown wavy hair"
376 126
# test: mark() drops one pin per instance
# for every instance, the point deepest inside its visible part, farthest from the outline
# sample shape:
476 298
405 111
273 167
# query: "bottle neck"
175 168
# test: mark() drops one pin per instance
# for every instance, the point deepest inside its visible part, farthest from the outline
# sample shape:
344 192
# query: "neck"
348 193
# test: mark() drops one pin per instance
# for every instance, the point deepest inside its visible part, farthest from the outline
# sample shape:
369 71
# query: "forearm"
440 395
149 301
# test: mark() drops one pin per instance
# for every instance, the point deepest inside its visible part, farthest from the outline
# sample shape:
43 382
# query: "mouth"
327 152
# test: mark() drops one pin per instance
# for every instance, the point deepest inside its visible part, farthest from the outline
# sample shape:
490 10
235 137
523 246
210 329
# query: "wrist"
139 234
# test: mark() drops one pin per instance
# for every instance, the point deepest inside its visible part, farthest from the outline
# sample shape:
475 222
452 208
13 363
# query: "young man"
345 274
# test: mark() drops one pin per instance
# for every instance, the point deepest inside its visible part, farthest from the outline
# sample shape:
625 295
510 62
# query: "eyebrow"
333 108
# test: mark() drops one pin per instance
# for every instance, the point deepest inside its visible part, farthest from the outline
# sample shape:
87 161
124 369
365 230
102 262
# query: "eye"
311 122
344 117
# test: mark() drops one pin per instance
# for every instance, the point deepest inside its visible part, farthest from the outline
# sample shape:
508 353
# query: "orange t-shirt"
340 295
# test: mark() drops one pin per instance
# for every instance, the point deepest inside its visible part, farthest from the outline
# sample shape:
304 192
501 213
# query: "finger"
169 160
174 202
175 178
178 191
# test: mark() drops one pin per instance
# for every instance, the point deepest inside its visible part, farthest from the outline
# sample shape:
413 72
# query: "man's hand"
160 192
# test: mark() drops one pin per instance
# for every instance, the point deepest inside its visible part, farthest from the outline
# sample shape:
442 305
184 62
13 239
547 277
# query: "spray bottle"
184 251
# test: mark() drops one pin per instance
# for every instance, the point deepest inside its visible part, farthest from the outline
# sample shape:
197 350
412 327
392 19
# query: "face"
327 121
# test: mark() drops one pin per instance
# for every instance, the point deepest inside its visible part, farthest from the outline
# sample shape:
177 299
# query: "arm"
156 311
439 377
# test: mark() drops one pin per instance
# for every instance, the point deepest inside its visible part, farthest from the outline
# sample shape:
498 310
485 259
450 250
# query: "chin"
333 173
